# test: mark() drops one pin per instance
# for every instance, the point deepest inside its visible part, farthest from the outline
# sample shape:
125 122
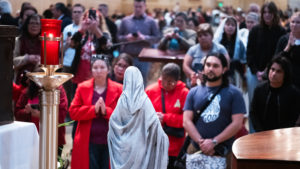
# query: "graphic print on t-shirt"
212 112
177 104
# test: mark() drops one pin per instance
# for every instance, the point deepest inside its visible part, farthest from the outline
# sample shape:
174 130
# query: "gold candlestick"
49 97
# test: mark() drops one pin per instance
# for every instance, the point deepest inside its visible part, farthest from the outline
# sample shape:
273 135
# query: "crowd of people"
232 57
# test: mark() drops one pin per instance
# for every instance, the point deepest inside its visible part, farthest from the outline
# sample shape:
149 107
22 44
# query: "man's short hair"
79 5
104 5
140 1
171 70
253 16
254 7
183 15
205 28
62 8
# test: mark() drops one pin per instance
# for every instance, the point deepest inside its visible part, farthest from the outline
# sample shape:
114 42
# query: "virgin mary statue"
136 139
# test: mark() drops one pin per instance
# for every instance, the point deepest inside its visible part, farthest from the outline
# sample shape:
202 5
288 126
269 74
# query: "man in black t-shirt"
222 118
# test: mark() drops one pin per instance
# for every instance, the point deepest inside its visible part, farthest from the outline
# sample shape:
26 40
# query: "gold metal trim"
50 69
48 38
49 82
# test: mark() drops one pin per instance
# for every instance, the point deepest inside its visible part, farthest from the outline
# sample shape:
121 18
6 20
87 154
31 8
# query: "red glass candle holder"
52 28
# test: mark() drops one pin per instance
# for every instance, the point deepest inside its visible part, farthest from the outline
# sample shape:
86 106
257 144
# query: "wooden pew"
156 55
274 149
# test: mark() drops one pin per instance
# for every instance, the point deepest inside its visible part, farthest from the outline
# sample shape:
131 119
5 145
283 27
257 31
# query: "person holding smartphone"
91 38
179 37
69 52
192 62
140 31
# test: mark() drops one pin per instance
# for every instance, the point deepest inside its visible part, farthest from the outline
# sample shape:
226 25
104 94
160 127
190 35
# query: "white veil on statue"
136 139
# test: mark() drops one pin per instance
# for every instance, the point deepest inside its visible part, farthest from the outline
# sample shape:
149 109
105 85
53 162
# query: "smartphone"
135 35
198 67
92 14
35 106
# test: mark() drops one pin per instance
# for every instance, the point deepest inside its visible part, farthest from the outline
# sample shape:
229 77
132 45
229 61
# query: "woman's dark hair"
171 70
285 65
194 20
224 40
25 4
26 23
103 57
47 14
33 90
272 9
126 57
222 58
61 7
232 19
27 8
24 78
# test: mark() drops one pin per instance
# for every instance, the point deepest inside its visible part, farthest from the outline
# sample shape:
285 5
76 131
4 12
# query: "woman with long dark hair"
263 39
28 47
227 35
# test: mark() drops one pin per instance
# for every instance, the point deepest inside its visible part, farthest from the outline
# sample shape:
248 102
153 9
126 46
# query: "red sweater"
17 90
83 111
63 108
174 103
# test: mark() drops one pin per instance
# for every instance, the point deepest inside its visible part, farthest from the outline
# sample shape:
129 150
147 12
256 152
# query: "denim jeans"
99 156
252 82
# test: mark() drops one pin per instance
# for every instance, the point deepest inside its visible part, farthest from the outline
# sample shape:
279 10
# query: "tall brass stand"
49 81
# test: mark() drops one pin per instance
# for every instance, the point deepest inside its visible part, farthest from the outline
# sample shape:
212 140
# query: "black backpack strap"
163 101
187 140
207 103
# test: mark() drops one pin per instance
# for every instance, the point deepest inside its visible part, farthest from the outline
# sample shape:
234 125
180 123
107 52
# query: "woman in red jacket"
172 92
92 106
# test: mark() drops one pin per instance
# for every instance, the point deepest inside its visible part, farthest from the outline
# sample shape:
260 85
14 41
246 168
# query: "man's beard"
215 78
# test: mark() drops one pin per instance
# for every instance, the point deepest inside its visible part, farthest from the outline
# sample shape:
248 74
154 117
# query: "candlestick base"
47 82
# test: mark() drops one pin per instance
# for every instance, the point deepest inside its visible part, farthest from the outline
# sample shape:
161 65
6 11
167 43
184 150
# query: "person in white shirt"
69 30
252 19
69 53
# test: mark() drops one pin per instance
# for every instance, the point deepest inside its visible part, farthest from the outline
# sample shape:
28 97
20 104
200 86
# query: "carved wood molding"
8 31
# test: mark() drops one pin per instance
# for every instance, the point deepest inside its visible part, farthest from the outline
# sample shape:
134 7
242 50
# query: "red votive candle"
52 27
